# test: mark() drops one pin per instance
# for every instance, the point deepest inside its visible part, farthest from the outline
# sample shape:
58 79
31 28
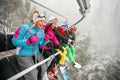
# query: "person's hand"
46 37
32 39
69 41
72 42
61 48
50 44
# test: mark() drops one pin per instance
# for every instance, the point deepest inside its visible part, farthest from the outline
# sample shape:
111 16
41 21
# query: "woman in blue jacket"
27 38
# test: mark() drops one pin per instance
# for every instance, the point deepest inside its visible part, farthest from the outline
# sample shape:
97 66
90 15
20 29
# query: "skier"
27 39
48 50
66 36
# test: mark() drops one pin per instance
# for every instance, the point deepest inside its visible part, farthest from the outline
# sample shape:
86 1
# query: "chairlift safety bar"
20 74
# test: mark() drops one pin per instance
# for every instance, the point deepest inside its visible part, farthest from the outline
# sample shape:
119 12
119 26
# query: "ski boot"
50 75
53 70
76 65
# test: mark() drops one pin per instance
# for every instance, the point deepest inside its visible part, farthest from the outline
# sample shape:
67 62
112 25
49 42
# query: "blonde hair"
35 22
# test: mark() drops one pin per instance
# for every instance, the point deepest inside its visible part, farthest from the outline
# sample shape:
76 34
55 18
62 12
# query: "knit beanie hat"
35 14
35 21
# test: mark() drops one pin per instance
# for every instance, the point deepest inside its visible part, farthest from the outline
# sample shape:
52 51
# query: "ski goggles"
40 15
54 21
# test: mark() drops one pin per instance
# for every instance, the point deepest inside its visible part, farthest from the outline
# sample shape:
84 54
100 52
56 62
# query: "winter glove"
46 37
69 41
32 39
60 47
50 44
72 42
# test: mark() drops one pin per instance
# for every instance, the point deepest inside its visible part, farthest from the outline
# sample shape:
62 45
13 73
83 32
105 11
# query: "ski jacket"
60 33
23 33
50 36
70 36
63 36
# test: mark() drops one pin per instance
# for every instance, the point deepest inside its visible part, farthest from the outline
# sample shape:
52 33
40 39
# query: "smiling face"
40 22
53 20
73 29
54 25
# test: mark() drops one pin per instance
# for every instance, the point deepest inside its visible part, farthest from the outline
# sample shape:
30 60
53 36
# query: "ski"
65 73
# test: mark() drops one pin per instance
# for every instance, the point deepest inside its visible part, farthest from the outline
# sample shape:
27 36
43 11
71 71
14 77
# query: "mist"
98 38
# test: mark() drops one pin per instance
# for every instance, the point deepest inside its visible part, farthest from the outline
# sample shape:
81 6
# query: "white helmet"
52 19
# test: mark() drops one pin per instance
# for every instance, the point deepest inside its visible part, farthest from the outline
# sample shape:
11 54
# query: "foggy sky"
102 22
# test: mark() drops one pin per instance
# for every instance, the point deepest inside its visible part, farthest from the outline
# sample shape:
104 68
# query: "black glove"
72 42
61 48
69 41
50 44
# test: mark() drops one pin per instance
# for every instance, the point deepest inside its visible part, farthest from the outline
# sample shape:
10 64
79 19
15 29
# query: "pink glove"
46 37
32 39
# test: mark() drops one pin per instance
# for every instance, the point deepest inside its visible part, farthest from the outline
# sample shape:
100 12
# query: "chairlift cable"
49 9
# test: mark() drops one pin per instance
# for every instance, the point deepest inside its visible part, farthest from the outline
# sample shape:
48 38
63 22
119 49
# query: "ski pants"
70 53
25 62
63 56
54 61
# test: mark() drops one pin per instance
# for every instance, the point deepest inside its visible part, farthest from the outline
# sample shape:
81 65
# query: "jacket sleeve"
64 38
19 36
73 38
55 41
44 39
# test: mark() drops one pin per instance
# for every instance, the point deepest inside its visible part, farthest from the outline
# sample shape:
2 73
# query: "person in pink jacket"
50 36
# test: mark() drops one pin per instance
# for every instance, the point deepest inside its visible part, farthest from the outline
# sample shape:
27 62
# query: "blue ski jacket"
23 33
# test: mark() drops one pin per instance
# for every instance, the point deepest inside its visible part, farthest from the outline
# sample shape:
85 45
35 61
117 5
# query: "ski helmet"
65 25
52 19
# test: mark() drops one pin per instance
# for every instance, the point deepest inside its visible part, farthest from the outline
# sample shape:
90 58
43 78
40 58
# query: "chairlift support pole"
84 7
78 21
80 3
82 11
